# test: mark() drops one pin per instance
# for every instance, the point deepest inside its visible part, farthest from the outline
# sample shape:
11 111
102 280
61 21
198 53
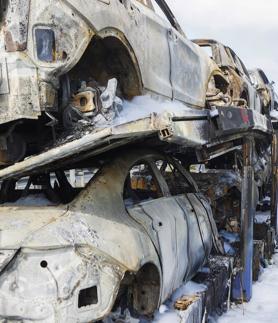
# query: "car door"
148 201
141 29
253 98
177 222
190 69
199 221
157 67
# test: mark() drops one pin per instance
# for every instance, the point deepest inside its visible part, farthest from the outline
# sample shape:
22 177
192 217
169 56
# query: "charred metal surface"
265 90
274 186
15 19
217 183
49 49
258 254
242 120
4 84
109 245
265 233
223 189
194 132
240 91
217 279
247 219
168 13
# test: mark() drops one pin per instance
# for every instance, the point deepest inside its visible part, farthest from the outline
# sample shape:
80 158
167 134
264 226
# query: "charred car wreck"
241 90
57 59
133 235
265 89
163 191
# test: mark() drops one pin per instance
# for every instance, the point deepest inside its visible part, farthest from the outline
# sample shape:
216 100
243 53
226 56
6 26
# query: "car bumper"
46 286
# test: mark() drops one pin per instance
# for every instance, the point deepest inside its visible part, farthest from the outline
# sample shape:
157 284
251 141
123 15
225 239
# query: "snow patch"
32 200
262 217
167 312
263 306
143 106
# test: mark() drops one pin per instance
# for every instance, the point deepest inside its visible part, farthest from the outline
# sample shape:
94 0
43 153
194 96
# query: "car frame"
50 47
265 89
241 89
78 261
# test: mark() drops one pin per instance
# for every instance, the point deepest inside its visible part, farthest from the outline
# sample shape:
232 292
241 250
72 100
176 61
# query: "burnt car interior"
173 181
143 183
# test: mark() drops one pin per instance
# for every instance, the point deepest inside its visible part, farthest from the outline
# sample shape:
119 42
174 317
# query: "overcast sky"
249 27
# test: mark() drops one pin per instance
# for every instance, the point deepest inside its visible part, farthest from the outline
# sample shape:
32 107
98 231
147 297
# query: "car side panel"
199 245
144 31
169 230
181 231
191 70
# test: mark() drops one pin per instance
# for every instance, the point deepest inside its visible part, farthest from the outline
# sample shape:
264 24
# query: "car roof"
206 41
261 74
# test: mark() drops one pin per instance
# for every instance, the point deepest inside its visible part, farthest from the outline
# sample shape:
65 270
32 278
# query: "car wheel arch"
141 290
111 44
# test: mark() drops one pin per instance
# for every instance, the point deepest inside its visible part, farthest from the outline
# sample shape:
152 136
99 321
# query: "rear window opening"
208 50
141 185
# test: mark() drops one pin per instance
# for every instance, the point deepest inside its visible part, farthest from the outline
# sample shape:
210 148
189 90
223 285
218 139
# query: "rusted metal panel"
15 25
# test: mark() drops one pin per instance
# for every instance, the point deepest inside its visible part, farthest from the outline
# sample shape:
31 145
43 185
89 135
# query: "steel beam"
274 188
242 287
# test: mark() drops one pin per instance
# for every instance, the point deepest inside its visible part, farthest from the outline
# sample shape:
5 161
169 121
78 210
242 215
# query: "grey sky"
249 27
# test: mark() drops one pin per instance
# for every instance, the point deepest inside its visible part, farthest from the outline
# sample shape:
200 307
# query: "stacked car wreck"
175 147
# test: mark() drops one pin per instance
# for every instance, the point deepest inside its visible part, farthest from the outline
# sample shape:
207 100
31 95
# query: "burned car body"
131 237
57 57
241 90
265 90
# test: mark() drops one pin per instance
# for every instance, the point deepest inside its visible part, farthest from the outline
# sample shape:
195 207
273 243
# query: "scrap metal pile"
177 148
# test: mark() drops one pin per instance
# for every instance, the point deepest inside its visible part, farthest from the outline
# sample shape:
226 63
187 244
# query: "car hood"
18 225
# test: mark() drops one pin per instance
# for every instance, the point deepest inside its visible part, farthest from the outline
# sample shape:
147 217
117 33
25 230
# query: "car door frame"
160 226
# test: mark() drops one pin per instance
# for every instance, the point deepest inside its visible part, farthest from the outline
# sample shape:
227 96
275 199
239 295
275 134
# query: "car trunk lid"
19 223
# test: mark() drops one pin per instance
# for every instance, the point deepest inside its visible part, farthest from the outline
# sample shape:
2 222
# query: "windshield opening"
208 50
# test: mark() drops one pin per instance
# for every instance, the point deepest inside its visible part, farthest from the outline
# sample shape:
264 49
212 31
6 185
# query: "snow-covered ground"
264 305
262 309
